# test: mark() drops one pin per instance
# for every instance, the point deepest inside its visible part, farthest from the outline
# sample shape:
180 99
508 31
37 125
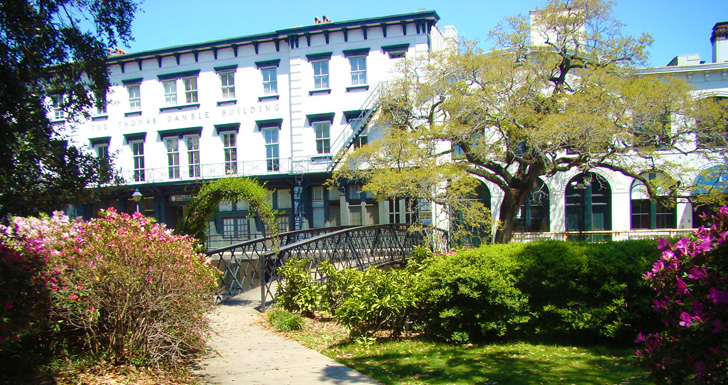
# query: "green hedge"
589 292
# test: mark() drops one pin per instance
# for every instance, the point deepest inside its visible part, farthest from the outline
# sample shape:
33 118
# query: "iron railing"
254 263
601 235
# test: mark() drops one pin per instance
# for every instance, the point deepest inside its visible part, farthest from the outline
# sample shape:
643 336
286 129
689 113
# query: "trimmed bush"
587 290
122 286
472 295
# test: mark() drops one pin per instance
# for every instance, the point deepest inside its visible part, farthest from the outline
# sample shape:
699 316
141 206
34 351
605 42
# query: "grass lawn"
416 361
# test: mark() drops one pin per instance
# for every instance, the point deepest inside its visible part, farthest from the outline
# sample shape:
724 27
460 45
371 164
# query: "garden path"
249 353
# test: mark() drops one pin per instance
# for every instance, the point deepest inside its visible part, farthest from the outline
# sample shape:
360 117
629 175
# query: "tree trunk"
507 215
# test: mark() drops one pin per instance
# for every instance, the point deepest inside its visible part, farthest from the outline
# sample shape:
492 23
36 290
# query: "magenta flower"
685 319
718 296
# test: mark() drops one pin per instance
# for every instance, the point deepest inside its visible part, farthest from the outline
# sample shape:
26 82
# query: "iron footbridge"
255 263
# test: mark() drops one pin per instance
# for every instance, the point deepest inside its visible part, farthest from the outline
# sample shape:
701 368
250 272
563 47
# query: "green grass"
416 361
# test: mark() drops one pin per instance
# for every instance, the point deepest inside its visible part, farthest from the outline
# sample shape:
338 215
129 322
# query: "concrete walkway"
248 353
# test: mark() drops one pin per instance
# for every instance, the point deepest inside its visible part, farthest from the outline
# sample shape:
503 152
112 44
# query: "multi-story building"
280 106
276 106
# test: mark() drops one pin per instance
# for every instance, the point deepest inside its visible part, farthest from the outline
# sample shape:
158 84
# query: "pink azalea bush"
120 284
691 285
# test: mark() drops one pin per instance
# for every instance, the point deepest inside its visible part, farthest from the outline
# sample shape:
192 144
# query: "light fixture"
137 196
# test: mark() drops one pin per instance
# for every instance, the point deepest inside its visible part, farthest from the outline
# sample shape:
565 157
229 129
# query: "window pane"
193 155
170 92
190 90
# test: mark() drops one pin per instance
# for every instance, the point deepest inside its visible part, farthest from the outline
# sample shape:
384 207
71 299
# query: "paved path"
248 353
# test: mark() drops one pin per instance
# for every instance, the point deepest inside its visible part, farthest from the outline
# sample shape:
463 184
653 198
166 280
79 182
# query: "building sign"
180 198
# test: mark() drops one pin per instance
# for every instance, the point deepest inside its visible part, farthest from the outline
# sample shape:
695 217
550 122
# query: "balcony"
206 171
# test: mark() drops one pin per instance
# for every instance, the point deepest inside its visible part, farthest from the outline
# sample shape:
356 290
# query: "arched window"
649 213
475 236
711 187
588 203
534 214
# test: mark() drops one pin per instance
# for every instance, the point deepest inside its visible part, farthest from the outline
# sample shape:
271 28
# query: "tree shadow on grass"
419 361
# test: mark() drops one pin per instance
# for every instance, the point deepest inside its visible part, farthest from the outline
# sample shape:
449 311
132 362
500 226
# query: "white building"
280 106
275 106
612 202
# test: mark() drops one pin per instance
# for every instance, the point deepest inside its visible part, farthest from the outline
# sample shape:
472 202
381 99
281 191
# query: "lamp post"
137 196
581 187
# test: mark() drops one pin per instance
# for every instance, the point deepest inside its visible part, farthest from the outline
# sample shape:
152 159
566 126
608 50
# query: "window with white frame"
322 136
57 102
102 151
170 92
238 228
137 149
272 158
320 74
270 80
193 155
230 147
358 70
227 79
317 193
172 145
135 100
190 89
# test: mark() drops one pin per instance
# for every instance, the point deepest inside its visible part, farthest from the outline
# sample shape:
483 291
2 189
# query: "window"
101 105
317 194
358 70
193 155
102 151
137 149
135 100
270 81
170 92
284 223
227 79
236 228
649 213
322 137
190 89
272 159
320 74
230 146
172 156
57 101
653 130
712 130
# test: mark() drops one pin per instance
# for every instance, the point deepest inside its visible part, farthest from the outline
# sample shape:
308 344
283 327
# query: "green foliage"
121 286
49 48
24 300
377 300
285 321
588 290
203 206
472 295
466 114
297 290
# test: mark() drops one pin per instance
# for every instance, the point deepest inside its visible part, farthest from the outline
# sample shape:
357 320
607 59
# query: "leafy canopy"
557 92
59 48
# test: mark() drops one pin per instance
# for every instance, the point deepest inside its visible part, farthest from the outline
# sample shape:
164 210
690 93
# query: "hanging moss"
204 205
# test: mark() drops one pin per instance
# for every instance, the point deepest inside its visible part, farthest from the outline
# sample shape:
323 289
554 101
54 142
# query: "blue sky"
678 26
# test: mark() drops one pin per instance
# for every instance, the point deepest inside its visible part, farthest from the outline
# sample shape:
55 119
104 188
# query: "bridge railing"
356 247
241 264
254 263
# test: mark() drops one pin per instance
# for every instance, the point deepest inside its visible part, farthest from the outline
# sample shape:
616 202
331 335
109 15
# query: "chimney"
719 40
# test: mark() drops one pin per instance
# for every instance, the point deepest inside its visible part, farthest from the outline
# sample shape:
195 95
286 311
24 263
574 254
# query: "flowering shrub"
691 282
24 303
122 285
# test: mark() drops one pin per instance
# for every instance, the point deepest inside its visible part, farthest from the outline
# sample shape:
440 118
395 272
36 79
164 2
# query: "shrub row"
580 291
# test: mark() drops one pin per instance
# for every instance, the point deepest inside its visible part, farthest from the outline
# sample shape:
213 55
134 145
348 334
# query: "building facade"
277 107
281 106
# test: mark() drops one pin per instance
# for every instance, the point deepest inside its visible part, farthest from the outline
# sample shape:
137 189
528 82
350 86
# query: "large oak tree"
52 48
557 92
